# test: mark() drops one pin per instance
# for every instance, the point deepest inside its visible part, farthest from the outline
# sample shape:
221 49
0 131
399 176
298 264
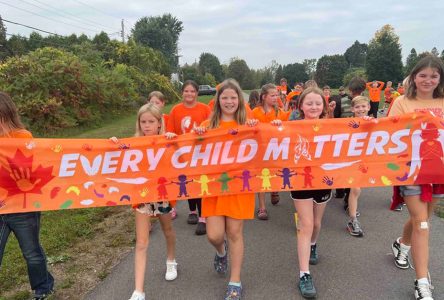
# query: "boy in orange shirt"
374 93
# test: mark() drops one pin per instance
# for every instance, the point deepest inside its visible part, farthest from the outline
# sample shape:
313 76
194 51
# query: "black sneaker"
306 287
354 228
192 219
201 228
401 257
313 255
423 291
42 296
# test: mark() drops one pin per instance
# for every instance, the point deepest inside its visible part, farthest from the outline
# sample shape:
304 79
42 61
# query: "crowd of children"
221 218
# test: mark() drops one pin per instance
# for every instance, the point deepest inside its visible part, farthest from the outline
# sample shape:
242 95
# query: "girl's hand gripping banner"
52 174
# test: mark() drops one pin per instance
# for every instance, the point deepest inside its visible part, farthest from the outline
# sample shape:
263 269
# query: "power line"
100 11
29 27
54 20
77 17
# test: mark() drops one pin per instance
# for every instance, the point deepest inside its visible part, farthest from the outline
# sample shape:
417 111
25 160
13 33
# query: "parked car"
206 90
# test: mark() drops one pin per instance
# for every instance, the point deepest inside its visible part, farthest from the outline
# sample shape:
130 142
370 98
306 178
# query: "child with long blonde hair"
150 122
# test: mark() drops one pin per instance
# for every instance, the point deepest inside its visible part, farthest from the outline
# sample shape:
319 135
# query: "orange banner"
52 174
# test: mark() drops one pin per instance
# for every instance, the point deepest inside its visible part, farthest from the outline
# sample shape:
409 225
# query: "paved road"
349 267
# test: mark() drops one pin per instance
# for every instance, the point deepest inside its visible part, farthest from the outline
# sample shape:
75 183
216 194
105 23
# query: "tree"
354 72
239 70
330 70
35 41
384 56
190 72
442 55
209 63
435 51
160 33
4 52
278 75
101 40
310 67
411 61
17 44
355 55
295 73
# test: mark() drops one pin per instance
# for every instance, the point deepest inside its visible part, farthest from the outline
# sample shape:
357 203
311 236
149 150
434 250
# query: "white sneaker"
423 291
171 271
137 296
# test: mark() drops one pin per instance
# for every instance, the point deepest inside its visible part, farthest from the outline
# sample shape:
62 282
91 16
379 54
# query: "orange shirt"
211 104
183 119
387 94
165 119
375 93
267 117
293 94
19 133
401 90
234 206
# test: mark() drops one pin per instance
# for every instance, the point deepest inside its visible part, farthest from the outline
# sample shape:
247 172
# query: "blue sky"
257 31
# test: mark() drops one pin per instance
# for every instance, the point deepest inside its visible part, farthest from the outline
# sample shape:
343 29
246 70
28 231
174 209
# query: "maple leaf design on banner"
19 178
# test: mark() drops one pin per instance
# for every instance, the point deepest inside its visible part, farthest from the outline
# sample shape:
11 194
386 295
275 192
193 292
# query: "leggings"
194 204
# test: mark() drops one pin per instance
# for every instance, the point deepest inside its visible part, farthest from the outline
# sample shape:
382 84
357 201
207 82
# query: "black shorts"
318 196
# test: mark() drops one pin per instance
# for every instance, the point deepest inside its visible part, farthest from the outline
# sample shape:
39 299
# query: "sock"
404 248
171 261
302 273
138 293
221 254
193 212
423 281
238 284
313 244
202 220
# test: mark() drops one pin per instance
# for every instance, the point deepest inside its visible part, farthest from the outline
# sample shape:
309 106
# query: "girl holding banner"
226 214
425 93
268 112
150 122
310 204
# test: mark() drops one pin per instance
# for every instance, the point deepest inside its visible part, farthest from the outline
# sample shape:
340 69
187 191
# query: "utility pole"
122 33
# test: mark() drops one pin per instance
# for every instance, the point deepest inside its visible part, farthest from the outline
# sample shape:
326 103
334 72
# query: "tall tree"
278 75
161 33
411 61
209 63
442 55
4 52
239 70
435 51
384 56
294 73
355 55
17 44
310 67
330 70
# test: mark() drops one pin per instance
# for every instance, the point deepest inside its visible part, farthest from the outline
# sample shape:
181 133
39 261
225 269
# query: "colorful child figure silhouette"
286 174
204 180
182 185
161 188
224 179
266 183
307 177
245 180
430 154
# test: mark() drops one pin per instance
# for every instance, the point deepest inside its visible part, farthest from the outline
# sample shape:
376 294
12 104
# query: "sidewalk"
349 267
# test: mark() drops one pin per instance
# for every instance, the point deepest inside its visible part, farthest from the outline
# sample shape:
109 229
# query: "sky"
256 31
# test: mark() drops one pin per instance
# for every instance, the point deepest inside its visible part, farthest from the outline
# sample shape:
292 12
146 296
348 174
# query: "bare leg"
261 197
236 242
170 235
142 241
353 202
216 232
318 214
305 231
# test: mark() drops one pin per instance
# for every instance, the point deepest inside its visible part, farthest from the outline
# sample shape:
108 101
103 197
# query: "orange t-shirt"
401 90
183 119
165 119
375 93
267 117
19 133
211 104
234 206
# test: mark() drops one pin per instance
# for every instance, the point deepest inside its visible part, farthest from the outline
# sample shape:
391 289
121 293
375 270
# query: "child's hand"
200 130
114 140
276 122
332 105
252 122
367 118
170 135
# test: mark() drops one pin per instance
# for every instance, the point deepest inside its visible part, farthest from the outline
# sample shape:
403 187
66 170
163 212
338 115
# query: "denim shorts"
415 190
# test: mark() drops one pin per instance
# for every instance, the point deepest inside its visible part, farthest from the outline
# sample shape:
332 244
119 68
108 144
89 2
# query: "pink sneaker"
173 213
